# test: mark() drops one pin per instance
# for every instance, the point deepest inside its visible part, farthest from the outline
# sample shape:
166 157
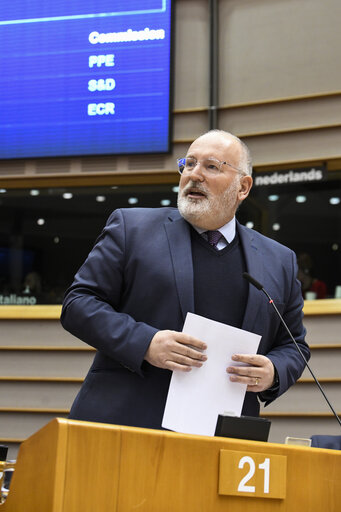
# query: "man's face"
210 200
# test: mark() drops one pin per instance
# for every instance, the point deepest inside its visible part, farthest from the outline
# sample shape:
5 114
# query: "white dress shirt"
228 231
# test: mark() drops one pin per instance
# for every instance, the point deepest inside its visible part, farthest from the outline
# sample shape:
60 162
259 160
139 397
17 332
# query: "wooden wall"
279 89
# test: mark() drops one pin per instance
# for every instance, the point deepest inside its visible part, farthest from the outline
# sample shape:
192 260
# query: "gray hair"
245 163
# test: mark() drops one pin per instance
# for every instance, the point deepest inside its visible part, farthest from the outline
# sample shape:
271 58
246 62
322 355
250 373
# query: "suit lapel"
179 239
254 266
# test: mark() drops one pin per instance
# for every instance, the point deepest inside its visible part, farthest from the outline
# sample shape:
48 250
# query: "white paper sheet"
196 398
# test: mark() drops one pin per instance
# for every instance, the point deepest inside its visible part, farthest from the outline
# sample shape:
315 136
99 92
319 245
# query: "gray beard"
221 209
192 210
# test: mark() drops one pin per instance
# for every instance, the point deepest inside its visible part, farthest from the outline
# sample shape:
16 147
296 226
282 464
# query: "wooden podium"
74 466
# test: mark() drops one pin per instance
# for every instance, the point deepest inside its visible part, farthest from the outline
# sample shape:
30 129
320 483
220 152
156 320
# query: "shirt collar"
228 230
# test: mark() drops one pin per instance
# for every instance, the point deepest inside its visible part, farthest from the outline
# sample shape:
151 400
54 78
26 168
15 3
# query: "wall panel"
191 54
306 112
278 48
295 146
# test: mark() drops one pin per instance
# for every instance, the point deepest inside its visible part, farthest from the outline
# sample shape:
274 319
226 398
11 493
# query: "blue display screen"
84 77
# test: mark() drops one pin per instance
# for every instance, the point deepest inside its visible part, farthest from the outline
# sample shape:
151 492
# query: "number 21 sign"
252 474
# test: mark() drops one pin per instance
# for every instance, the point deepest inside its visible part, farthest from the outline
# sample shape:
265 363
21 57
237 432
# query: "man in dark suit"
149 267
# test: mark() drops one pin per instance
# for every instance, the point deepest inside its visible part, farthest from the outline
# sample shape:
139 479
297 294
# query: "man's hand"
258 375
175 351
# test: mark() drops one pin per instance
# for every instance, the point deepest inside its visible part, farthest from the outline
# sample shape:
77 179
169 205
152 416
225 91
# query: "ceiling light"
301 199
67 195
41 222
165 202
273 197
335 247
249 224
175 189
276 226
100 199
133 200
56 239
34 192
3 190
334 200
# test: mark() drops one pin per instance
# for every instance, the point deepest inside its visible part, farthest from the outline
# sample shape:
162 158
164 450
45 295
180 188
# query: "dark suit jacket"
138 279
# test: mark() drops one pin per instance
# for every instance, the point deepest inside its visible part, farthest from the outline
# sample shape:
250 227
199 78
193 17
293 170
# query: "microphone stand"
261 288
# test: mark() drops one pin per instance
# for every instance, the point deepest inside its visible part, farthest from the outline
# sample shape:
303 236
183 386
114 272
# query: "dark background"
56 249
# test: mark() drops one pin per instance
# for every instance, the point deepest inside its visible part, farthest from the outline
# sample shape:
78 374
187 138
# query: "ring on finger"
257 379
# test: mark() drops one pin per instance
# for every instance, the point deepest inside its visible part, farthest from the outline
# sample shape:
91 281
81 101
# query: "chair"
330 442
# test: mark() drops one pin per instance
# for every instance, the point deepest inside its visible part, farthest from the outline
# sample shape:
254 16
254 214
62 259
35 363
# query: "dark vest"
220 292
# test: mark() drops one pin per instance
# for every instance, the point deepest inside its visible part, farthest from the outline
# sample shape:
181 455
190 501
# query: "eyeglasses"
210 166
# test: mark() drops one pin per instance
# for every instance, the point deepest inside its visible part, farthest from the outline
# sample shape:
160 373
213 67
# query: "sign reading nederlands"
286 177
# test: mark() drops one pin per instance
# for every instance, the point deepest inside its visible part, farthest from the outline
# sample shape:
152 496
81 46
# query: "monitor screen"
84 77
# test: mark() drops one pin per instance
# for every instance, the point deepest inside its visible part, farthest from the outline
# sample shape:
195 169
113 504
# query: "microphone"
260 287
